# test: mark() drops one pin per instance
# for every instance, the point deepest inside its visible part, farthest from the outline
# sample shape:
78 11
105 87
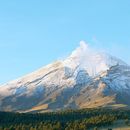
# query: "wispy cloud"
120 50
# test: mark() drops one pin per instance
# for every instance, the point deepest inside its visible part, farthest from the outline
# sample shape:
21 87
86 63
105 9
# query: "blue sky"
34 33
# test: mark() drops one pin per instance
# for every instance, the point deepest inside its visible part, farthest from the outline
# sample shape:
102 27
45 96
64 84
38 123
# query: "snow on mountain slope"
84 79
46 75
94 62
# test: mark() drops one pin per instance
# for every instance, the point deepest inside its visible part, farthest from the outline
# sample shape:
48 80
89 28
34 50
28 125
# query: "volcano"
85 79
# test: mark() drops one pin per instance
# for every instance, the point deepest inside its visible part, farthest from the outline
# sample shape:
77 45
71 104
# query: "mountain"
85 79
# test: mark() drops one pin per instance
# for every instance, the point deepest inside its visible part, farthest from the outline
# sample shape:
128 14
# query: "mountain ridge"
85 79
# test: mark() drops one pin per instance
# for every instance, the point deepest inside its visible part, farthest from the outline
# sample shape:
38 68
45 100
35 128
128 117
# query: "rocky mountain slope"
85 79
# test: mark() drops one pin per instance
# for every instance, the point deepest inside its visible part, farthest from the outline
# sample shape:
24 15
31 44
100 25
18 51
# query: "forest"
84 119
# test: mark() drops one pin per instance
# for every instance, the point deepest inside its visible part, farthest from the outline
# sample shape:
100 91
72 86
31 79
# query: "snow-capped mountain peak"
85 79
92 61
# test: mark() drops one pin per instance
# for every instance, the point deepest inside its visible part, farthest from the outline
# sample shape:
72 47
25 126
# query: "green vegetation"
63 120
